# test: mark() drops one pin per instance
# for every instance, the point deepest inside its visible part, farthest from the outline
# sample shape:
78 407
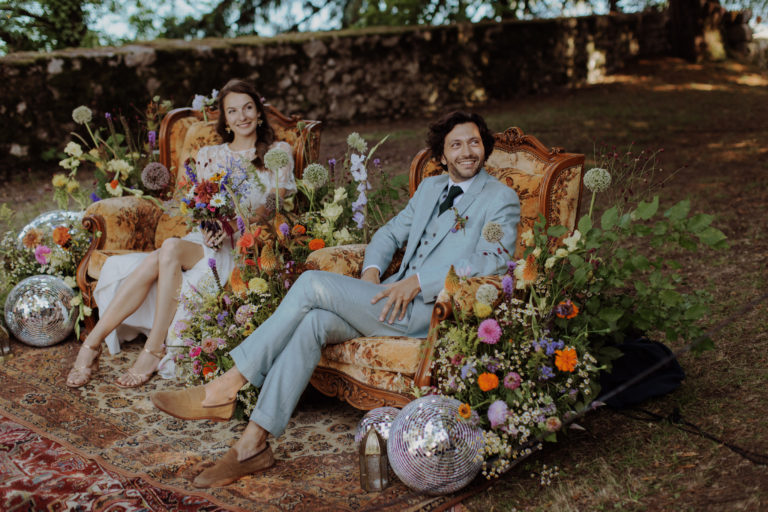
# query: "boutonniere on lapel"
458 222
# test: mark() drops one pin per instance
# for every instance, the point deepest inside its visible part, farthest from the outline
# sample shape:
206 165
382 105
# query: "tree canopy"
52 24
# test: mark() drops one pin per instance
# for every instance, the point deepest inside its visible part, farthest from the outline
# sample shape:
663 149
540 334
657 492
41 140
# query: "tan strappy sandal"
84 372
139 379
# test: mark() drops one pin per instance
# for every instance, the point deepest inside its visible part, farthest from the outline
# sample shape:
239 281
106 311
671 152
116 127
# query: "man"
441 225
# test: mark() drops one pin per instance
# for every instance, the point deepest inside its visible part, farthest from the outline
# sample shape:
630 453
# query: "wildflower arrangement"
205 103
524 352
125 161
48 250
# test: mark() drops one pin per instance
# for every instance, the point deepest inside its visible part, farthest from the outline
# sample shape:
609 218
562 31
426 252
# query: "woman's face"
241 114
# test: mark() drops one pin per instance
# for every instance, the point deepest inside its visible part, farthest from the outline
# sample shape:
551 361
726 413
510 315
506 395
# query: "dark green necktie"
454 191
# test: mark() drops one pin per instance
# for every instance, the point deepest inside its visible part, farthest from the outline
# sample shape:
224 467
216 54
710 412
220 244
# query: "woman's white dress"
210 159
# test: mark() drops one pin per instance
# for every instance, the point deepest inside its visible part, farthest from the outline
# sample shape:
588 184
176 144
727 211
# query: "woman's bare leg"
128 298
174 256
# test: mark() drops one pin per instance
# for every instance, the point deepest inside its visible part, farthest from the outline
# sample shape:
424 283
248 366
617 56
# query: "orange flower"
488 381
566 309
250 262
61 236
32 238
530 272
268 260
237 283
113 184
566 360
465 411
316 244
246 241
298 229
209 368
452 282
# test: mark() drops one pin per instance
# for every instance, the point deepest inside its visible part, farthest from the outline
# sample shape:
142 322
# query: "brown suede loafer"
228 469
187 405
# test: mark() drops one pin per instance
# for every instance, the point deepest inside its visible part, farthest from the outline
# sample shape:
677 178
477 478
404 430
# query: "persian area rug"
37 473
124 442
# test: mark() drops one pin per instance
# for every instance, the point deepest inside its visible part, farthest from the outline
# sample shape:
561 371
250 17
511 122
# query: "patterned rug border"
112 467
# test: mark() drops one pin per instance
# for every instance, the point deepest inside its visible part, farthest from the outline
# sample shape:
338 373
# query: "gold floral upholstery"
131 224
371 372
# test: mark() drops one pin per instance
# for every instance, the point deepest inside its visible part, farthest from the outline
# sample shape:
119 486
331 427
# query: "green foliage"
45 24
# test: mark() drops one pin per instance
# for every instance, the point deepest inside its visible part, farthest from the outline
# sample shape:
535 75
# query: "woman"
139 292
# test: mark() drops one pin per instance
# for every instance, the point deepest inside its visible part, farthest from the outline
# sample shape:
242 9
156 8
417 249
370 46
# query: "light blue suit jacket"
486 200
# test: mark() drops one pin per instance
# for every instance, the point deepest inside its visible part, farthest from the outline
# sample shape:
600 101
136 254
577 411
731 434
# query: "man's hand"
371 275
399 295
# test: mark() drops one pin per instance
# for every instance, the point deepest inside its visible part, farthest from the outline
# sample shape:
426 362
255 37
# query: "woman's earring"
229 130
259 121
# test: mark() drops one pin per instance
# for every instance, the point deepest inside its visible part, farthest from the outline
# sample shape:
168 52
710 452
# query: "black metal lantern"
374 468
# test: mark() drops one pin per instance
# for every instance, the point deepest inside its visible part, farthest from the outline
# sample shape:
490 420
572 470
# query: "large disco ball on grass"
432 449
37 311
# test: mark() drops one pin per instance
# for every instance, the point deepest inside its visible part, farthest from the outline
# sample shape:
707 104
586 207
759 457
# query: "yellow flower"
465 411
527 237
73 186
248 329
183 207
59 180
482 310
257 285
452 282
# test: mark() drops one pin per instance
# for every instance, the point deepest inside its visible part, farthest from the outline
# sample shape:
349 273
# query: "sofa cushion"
170 226
398 354
130 222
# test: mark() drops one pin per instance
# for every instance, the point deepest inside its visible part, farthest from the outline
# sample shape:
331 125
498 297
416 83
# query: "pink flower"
553 423
197 366
489 331
40 254
210 345
512 380
195 351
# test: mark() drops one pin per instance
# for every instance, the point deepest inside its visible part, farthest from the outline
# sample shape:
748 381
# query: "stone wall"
333 76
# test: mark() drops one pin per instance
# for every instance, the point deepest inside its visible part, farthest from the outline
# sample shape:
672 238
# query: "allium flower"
41 253
493 232
512 380
245 312
497 413
487 381
315 175
597 179
155 176
73 149
486 293
508 285
356 142
553 424
82 115
489 331
276 159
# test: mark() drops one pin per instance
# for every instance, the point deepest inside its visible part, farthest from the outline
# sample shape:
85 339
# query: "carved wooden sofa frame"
372 372
131 224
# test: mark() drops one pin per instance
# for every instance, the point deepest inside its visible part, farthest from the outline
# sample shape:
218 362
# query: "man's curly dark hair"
439 129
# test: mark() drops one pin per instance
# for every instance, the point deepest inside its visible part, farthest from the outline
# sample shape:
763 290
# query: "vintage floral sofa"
372 372
131 224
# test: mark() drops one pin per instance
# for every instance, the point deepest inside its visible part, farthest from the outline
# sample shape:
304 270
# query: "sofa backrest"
548 181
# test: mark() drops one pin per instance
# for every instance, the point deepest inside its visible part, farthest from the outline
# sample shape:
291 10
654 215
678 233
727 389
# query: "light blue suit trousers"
281 355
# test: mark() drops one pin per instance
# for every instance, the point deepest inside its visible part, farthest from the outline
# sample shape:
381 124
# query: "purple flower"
107 116
512 380
226 299
207 317
360 202
376 162
41 251
497 413
467 370
285 229
454 229
331 162
359 218
511 266
492 365
546 373
152 138
240 225
197 366
190 173
94 197
212 263
221 317
508 285
489 331
287 284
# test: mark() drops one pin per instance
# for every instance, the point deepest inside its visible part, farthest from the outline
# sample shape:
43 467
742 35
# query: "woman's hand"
213 234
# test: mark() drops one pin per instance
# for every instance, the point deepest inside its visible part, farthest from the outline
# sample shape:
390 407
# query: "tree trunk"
695 29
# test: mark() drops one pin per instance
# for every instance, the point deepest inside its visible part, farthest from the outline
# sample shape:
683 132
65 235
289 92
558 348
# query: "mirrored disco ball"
37 311
48 221
380 419
432 449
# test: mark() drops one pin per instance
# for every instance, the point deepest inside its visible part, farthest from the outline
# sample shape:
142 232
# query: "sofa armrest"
129 223
342 259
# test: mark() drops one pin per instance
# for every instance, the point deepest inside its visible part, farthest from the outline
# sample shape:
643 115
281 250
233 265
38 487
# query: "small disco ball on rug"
432 449
47 222
37 311
381 419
